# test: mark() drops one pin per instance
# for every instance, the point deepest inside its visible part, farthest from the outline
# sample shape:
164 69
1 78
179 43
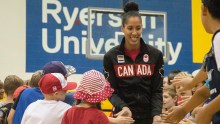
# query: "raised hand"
182 83
125 112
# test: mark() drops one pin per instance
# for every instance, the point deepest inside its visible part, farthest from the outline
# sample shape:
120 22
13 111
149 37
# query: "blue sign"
57 30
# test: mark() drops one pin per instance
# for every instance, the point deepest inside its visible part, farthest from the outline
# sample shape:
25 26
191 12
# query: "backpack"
4 111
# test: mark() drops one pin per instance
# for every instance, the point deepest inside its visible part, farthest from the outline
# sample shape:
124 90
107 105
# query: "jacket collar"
143 46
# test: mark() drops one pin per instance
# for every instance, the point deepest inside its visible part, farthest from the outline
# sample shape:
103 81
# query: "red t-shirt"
132 53
80 115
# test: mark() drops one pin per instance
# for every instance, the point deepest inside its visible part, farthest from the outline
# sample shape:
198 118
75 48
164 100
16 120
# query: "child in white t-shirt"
51 109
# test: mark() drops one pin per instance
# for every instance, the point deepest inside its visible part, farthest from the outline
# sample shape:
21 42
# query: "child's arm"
177 114
11 116
199 97
205 115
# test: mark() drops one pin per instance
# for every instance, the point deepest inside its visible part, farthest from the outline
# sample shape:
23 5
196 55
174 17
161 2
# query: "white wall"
13 40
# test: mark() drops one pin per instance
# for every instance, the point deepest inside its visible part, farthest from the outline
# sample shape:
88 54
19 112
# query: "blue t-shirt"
27 97
69 98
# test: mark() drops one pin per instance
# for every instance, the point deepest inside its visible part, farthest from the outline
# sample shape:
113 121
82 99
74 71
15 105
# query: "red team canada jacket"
137 84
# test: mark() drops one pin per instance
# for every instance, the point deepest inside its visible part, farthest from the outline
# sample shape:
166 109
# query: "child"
11 83
183 96
210 15
171 75
1 91
169 97
199 84
92 89
50 110
165 81
25 98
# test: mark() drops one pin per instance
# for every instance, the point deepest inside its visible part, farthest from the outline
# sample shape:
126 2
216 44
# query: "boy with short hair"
169 97
53 87
11 83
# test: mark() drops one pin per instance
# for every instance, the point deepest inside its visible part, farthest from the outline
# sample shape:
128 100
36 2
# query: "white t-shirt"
216 43
45 112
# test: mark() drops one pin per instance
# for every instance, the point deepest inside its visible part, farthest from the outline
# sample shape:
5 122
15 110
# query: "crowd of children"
43 100
204 104
174 98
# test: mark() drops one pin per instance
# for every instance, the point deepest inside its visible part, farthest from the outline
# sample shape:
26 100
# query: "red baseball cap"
53 82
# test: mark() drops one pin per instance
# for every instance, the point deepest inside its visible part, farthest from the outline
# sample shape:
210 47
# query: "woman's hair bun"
131 6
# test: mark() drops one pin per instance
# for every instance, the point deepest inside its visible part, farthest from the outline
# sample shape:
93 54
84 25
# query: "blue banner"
57 30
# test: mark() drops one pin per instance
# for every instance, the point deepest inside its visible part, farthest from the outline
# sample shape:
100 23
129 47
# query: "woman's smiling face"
132 30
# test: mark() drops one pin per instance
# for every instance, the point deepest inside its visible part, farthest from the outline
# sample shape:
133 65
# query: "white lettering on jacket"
129 70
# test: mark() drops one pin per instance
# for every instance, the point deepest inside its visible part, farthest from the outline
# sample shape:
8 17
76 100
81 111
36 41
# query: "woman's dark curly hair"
131 9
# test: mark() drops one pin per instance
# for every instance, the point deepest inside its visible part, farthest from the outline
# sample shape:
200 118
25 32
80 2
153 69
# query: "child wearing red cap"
92 89
53 87
31 95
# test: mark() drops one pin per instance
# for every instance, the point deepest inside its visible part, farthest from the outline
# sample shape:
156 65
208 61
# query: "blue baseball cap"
58 67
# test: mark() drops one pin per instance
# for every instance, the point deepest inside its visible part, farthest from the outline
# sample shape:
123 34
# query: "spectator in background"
35 78
69 97
171 75
25 97
169 97
198 85
1 91
11 83
183 96
165 81
27 82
